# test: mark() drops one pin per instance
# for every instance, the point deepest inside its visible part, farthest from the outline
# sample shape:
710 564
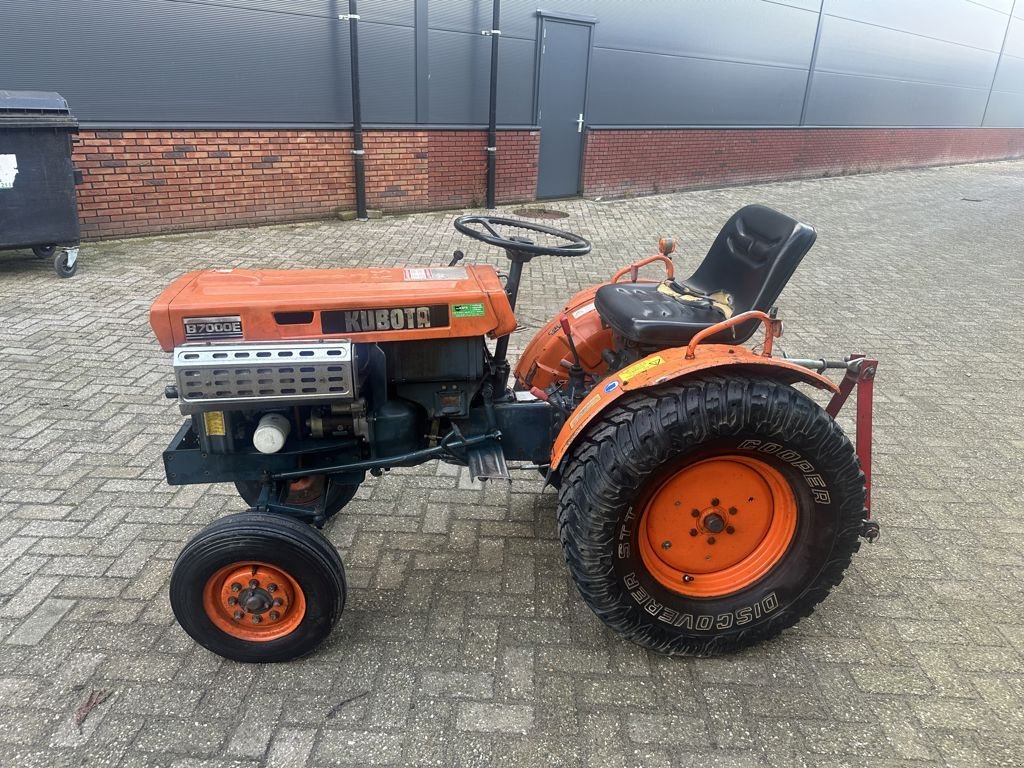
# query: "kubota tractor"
705 503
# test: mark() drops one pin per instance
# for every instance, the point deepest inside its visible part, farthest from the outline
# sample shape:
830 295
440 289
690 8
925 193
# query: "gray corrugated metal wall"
655 62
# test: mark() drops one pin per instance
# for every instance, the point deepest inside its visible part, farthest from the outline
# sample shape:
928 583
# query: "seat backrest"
753 258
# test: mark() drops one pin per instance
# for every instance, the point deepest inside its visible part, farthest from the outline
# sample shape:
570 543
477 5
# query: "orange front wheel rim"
717 526
254 601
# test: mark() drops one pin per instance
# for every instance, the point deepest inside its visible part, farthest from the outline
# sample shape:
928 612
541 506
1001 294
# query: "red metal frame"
861 376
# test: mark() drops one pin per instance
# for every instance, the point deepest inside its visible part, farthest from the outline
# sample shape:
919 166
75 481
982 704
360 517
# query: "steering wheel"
484 229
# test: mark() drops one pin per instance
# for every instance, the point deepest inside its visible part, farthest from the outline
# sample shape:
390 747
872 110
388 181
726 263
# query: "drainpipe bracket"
348 17
489 32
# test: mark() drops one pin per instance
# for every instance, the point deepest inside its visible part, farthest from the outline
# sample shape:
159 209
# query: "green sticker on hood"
468 310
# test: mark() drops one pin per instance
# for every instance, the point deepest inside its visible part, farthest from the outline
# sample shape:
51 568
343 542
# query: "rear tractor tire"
703 517
304 492
253 587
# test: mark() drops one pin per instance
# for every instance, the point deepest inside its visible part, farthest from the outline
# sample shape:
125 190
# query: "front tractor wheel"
254 587
707 516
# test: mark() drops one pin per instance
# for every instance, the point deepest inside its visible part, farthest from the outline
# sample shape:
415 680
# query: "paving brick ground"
463 642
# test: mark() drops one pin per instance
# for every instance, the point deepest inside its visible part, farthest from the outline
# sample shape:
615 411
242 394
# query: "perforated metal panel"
221 375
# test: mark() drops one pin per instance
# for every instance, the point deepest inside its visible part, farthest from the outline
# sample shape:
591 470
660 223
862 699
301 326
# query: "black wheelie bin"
38 209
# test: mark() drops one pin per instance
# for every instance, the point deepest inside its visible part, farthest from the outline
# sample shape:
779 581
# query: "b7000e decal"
207 328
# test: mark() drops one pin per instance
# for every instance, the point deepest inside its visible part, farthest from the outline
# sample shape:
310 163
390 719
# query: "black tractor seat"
746 268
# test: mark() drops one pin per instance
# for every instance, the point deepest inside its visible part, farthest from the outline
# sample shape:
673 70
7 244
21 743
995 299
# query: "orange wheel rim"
305 490
717 526
254 601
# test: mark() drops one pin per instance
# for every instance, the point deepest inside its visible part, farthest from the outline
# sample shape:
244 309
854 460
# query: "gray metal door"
561 100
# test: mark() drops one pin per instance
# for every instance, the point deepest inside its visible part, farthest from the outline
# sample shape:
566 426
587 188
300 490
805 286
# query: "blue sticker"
611 386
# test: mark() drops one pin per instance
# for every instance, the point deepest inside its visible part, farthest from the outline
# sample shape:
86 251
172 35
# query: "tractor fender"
672 365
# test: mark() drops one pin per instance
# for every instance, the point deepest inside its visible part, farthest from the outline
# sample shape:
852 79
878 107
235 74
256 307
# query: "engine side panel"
363 305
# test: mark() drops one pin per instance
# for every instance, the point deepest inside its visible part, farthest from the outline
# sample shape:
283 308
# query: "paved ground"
463 637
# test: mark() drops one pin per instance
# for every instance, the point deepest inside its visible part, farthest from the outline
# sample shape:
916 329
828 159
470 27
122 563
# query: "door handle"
579 123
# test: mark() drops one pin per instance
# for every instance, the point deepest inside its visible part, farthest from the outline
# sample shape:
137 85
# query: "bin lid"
35 108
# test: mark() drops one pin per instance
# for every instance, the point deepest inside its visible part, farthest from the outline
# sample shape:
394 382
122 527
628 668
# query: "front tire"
703 517
253 587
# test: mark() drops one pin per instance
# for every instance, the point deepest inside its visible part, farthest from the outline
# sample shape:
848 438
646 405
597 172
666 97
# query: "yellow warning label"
214 422
636 369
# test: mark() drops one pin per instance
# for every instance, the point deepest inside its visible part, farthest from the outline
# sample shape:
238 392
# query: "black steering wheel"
485 229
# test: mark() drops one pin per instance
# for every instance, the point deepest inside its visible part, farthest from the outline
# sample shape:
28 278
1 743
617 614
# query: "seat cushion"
643 314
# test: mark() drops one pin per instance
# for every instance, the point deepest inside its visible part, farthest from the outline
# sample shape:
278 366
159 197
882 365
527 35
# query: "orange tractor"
705 503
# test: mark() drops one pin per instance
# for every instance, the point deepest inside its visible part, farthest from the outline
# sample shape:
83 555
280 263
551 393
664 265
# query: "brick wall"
143 182
139 182
630 162
458 167
397 170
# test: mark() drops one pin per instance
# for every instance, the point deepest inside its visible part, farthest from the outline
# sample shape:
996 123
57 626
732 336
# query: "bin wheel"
60 265
44 251
304 492
260 588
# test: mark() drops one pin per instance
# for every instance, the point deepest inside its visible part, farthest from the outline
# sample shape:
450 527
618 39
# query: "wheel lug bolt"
666 545
714 502
711 539
253 584
730 530
274 615
232 601
278 601
272 588
238 615
236 587
256 619
687 578
693 531
695 513
732 510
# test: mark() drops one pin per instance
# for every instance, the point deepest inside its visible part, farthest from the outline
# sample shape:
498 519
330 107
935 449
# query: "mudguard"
673 365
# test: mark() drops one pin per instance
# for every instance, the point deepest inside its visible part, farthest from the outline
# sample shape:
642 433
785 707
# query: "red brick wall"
458 167
630 162
397 170
139 182
143 182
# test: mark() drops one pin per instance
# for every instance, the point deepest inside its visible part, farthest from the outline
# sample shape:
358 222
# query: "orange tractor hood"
364 305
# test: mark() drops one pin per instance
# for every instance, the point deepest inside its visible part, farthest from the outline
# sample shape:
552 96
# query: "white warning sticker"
8 171
586 308
436 273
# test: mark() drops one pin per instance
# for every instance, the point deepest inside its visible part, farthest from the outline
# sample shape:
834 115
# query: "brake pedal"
487 462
